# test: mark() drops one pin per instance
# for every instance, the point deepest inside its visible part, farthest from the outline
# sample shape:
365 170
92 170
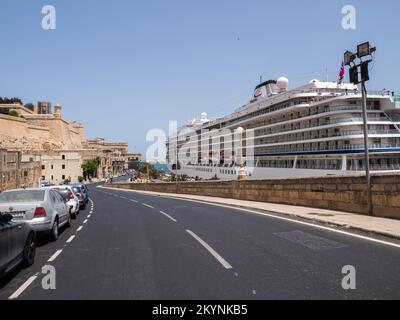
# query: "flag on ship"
341 74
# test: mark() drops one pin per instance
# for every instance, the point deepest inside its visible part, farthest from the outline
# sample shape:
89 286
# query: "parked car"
17 243
70 197
44 209
85 192
81 197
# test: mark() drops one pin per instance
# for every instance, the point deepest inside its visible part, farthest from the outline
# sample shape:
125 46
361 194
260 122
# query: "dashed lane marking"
168 216
210 250
23 287
148 206
70 239
54 256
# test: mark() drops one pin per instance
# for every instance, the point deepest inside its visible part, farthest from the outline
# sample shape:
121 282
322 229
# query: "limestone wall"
345 193
38 133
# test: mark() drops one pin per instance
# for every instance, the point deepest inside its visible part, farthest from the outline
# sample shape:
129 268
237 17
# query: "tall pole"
176 162
366 156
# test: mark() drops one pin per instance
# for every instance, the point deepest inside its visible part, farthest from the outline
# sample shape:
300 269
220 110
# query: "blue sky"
123 67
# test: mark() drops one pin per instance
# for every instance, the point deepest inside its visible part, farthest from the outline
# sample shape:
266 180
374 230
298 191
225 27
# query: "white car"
44 209
72 199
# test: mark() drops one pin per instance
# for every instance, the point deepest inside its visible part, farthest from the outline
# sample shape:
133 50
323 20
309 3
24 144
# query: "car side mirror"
6 217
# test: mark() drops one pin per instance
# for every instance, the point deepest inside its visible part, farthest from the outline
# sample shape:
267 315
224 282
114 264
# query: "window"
43 167
52 167
63 177
63 157
63 166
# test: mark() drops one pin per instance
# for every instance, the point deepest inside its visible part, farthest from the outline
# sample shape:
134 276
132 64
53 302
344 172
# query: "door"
62 208
17 241
6 244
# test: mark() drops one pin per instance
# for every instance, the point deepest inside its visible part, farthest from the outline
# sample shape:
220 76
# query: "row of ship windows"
371 105
324 134
317 123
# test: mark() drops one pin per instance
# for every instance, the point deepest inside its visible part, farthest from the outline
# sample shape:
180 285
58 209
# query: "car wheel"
54 231
29 251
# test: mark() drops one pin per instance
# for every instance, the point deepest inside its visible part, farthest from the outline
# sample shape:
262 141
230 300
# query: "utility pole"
356 71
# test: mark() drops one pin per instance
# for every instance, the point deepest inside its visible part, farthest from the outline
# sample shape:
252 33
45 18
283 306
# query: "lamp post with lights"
359 74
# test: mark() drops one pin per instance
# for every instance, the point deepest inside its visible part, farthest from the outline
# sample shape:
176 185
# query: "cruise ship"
312 130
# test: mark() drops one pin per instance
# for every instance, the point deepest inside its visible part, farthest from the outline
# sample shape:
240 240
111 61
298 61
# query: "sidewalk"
380 226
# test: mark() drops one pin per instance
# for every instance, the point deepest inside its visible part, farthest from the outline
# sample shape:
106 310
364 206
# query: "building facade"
16 172
60 146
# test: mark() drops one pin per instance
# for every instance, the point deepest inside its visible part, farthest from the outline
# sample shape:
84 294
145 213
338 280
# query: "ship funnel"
266 89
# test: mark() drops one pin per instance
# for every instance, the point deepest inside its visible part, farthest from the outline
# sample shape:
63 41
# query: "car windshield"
22 196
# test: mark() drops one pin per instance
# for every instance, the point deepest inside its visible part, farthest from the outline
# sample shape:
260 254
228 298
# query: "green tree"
90 168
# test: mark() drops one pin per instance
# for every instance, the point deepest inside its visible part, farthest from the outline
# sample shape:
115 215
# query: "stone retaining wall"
344 193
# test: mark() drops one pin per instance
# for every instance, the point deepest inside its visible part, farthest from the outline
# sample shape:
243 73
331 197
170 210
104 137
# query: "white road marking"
85 221
22 288
354 235
210 250
148 206
124 198
70 239
133 200
254 292
54 256
89 215
79 229
91 212
168 216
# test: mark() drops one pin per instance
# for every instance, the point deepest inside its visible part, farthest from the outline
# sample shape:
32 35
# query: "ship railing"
333 148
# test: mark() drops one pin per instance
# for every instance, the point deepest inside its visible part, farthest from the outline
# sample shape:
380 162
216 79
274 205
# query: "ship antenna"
260 79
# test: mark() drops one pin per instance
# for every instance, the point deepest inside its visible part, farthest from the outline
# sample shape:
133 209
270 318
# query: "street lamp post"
242 171
176 162
366 151
357 70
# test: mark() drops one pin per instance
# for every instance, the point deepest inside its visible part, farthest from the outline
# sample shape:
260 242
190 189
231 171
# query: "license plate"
18 214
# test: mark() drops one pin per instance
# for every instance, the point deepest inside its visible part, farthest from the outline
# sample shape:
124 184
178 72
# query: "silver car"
72 199
45 210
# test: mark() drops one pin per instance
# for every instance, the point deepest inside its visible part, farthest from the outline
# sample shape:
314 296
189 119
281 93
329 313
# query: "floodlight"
363 49
348 58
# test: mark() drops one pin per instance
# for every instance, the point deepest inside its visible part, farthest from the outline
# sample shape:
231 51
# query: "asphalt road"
135 246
